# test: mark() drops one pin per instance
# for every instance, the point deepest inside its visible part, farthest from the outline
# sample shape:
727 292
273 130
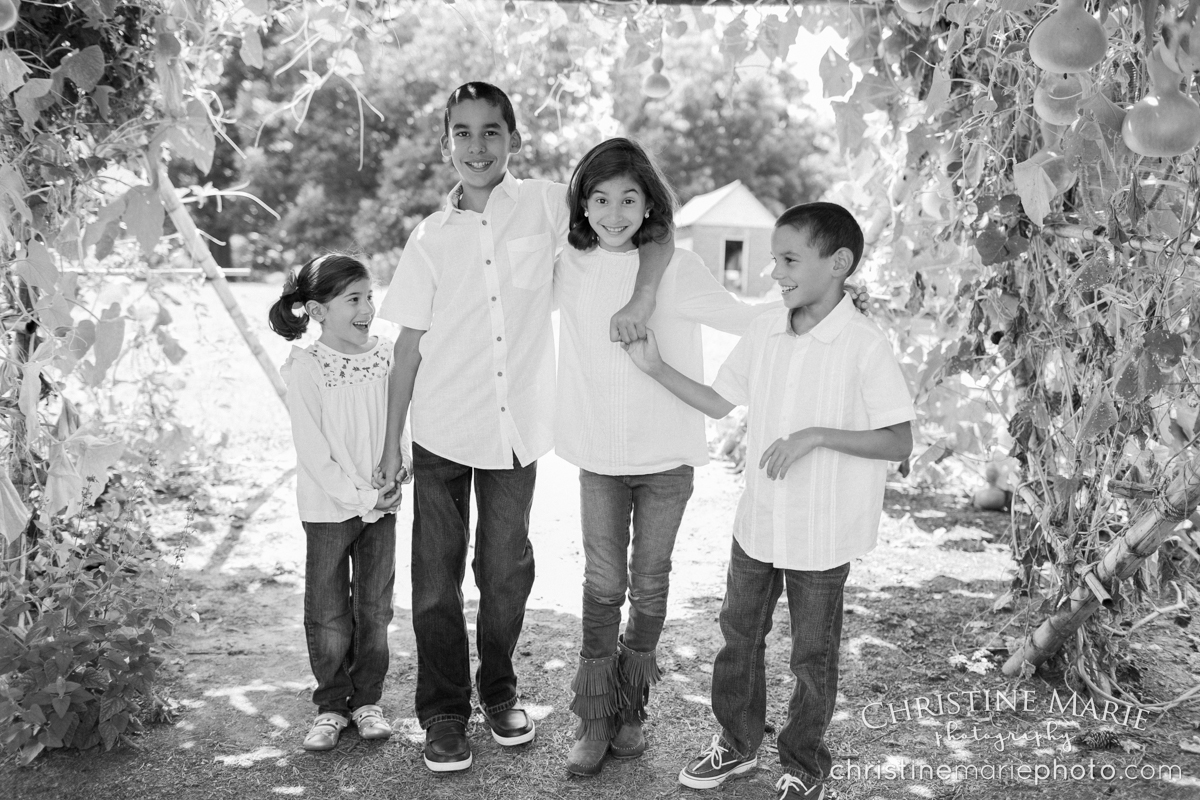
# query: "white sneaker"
371 723
325 730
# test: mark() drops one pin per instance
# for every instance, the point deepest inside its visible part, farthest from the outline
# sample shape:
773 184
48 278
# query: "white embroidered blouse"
338 406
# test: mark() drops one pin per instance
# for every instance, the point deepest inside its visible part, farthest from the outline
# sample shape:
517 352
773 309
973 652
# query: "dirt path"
241 682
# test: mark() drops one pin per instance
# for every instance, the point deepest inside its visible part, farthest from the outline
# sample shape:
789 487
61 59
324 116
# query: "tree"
717 126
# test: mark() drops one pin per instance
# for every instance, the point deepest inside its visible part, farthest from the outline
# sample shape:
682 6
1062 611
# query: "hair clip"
289 283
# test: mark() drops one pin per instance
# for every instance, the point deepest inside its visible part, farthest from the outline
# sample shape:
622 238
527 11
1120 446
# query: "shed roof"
733 205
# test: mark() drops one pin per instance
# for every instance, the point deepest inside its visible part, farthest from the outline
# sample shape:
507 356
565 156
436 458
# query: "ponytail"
283 318
321 280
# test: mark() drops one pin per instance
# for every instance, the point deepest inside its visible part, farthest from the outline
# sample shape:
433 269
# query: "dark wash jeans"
739 685
349 573
503 568
654 504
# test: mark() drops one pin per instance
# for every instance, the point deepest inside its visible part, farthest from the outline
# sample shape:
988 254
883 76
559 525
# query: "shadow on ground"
241 685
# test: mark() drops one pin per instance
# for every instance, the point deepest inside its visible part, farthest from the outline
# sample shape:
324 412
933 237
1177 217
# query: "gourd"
991 497
916 6
656 84
1069 40
1181 45
1058 97
1057 168
1165 122
8 15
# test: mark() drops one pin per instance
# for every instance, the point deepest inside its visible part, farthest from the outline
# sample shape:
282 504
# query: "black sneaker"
792 788
715 764
510 727
446 747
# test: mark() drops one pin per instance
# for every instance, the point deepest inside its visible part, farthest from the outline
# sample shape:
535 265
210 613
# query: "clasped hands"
389 488
777 458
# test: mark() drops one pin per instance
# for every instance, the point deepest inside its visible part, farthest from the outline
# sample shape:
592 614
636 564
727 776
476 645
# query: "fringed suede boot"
638 672
597 705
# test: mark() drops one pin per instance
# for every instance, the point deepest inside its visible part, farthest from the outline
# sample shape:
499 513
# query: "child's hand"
405 475
389 497
784 452
629 324
644 353
389 467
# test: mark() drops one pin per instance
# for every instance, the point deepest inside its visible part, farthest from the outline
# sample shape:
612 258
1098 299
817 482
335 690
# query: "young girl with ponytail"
337 400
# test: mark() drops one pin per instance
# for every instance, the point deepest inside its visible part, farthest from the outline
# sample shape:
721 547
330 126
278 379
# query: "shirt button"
499 338
501 408
488 261
499 374
493 299
485 222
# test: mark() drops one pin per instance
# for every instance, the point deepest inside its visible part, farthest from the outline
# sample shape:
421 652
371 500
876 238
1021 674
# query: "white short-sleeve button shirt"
480 286
841 374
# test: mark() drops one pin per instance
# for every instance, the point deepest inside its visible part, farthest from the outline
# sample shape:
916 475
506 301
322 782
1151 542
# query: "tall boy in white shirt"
475 363
827 408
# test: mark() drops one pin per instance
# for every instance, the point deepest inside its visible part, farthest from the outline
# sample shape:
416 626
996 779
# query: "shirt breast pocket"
531 261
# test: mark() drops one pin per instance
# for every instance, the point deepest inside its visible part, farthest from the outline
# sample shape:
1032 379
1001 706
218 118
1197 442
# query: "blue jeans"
503 568
608 503
349 573
739 685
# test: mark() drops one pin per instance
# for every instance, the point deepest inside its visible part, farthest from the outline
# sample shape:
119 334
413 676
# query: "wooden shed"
731 231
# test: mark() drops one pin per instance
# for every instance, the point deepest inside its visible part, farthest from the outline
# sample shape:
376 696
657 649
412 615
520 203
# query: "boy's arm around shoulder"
629 324
645 355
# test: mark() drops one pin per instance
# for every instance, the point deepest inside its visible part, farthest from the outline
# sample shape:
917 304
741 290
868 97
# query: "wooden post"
201 256
1120 561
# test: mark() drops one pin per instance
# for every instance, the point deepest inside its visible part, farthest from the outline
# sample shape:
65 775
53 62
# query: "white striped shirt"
612 418
479 285
841 374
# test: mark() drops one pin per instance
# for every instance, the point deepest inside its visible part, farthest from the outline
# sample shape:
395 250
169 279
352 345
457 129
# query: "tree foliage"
339 181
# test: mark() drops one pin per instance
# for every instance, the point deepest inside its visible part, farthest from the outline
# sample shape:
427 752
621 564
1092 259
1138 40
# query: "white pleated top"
611 418
841 374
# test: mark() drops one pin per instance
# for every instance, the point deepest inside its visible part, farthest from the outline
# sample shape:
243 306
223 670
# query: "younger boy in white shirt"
827 408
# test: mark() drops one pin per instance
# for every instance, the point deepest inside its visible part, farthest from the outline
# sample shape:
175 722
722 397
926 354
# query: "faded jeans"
503 569
349 573
654 505
739 686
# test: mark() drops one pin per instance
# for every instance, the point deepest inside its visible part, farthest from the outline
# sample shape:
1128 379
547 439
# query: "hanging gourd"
1058 97
1057 168
656 84
8 15
1166 122
1181 43
1069 40
916 6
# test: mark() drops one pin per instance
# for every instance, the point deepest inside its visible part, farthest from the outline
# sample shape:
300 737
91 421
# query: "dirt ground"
920 637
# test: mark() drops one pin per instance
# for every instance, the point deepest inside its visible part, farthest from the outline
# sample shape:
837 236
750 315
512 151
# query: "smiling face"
346 319
615 210
806 278
479 144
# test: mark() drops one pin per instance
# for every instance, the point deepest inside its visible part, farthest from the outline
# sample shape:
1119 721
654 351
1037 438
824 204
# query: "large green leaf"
84 67
143 217
14 516
12 72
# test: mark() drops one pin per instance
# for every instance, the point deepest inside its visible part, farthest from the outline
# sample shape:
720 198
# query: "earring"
585 213
647 215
